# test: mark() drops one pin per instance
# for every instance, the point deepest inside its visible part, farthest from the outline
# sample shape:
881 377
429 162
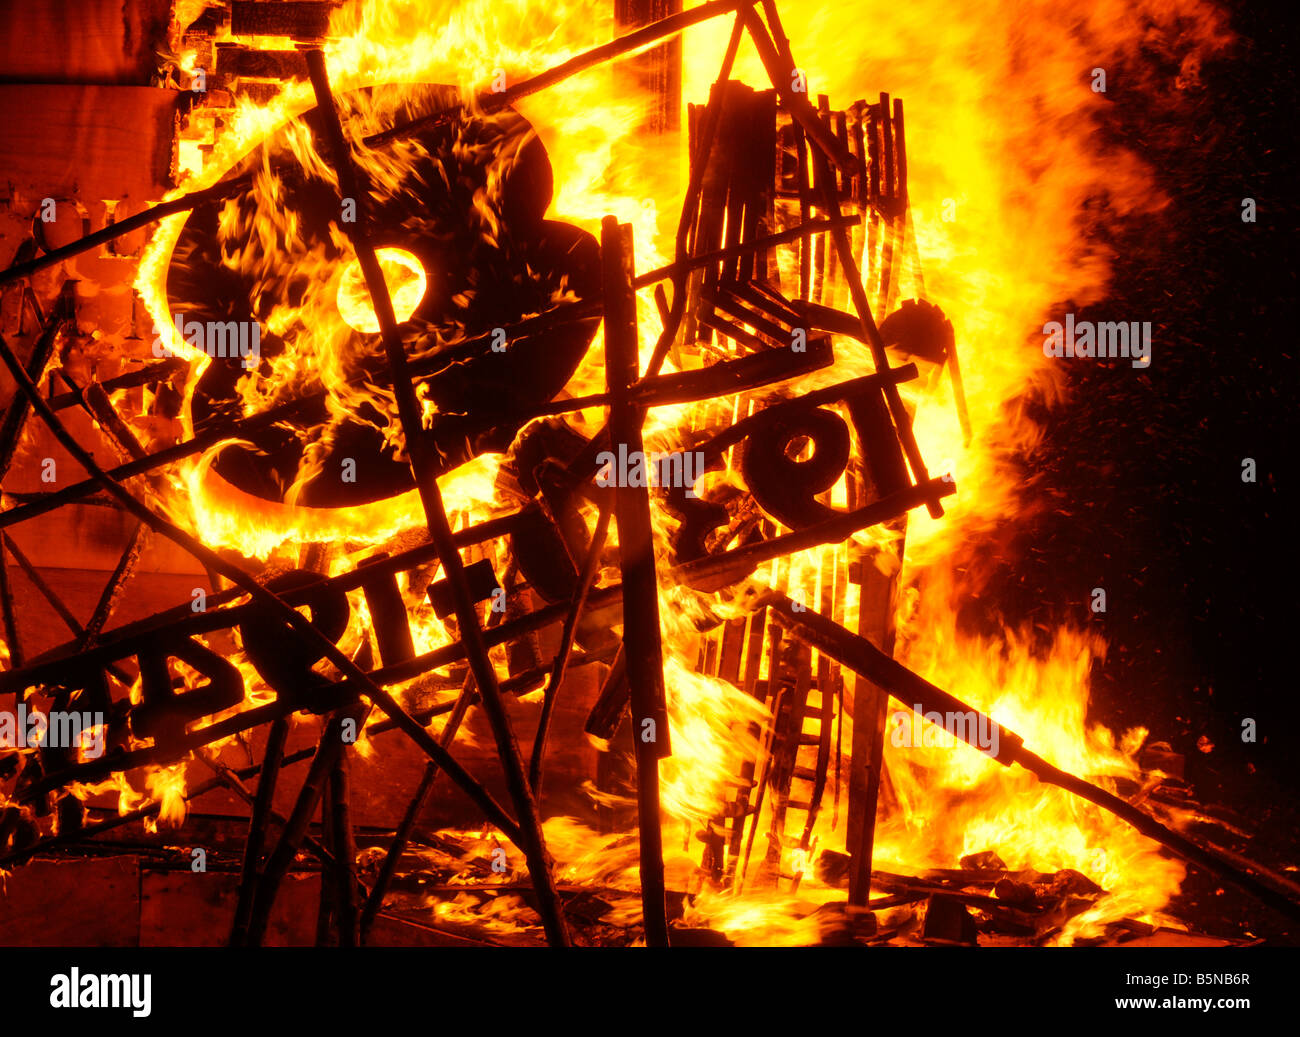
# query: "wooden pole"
424 466
870 712
590 566
253 846
10 617
466 698
309 798
345 851
290 616
16 416
829 150
1008 748
641 634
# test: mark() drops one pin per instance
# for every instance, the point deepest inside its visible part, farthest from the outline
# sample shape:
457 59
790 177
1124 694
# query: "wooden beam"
870 709
641 634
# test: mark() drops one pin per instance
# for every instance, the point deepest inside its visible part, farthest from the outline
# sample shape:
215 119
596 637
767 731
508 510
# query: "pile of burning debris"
416 314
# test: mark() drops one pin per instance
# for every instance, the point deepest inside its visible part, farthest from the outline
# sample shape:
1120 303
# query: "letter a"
59 997
1054 345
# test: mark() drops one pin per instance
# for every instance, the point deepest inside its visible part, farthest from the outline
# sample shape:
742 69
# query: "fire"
406 284
1003 156
1003 159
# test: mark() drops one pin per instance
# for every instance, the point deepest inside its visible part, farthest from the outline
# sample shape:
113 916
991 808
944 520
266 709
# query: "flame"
1004 156
406 284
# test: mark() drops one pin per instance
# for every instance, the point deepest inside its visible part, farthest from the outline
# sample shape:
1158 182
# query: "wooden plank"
82 41
85 903
194 909
97 141
870 710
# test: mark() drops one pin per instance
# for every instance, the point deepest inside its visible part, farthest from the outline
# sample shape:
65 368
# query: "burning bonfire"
588 449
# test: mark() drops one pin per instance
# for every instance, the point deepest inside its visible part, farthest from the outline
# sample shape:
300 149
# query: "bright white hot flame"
406 282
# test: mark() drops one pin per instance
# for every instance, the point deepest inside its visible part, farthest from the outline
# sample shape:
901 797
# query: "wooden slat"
733 643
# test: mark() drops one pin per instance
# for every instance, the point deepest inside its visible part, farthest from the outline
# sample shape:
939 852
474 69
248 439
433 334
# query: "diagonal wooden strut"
424 466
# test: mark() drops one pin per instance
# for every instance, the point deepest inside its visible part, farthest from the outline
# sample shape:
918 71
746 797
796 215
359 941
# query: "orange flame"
1003 157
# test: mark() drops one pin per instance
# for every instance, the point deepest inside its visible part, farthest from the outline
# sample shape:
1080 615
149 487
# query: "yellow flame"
406 284
1003 157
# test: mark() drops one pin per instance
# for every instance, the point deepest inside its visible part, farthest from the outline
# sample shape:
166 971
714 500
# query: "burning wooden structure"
738 473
